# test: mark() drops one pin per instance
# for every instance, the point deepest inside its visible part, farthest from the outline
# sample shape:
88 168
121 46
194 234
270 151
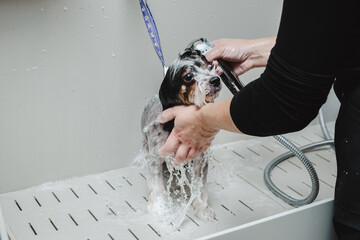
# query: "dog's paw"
205 214
157 207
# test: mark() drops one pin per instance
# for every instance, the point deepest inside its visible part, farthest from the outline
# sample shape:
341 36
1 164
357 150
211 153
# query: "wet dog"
190 79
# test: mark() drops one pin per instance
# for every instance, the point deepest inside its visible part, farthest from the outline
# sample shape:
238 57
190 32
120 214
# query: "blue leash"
152 29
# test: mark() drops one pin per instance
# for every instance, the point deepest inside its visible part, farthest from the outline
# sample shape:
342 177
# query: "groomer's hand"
242 54
191 133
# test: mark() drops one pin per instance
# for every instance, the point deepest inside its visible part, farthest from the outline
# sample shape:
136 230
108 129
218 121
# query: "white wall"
74 76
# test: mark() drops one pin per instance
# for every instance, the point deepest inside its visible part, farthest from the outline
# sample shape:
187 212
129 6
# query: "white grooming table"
111 205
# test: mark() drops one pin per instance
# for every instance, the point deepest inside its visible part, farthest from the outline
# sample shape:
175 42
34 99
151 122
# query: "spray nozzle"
228 77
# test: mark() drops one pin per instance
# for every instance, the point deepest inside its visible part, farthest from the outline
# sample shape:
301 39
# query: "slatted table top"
111 205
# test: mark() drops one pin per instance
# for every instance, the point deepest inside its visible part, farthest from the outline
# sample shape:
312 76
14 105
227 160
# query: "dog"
190 79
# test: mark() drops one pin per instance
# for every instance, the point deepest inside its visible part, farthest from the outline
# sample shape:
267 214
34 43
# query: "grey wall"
75 75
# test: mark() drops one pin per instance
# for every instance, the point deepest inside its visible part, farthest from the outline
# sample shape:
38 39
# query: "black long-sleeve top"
317 41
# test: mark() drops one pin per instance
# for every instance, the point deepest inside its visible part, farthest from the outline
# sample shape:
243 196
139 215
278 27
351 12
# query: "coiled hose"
298 152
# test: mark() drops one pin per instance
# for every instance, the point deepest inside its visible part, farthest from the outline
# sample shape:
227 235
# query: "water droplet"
43 51
42 9
113 55
106 17
91 26
65 9
103 8
35 68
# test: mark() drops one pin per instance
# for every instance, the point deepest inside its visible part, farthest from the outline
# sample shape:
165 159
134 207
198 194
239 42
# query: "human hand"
241 54
191 133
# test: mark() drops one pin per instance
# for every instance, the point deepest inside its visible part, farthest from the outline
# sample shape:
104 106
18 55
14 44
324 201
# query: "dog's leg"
201 206
156 202
200 203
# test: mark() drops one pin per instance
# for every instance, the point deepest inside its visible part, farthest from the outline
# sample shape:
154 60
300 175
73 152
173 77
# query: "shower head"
230 80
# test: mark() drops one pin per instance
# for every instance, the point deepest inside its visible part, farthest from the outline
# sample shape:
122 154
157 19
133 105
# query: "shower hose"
299 153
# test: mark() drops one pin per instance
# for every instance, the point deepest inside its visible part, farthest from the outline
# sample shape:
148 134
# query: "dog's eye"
188 77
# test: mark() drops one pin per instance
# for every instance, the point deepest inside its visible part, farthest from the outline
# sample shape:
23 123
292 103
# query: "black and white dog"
190 79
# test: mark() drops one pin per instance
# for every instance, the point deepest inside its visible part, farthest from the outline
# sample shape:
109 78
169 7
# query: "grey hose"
324 128
298 152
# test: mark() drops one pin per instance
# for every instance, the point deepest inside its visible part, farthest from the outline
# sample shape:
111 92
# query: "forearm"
217 116
284 99
260 50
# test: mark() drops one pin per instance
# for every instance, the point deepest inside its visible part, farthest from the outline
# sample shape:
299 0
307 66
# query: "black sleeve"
298 76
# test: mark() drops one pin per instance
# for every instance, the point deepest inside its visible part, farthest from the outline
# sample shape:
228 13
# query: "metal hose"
298 152
324 128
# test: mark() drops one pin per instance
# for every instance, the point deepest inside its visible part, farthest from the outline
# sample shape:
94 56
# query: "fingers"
170 145
192 153
239 68
217 68
187 154
214 53
218 51
168 115
184 143
204 147
181 153
243 67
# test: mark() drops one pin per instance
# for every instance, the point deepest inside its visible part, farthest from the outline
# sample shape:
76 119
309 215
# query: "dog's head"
190 79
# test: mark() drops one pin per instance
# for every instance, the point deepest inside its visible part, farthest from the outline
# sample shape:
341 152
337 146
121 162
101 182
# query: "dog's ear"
168 95
190 53
168 92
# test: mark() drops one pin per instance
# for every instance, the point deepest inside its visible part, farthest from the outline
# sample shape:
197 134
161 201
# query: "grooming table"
111 205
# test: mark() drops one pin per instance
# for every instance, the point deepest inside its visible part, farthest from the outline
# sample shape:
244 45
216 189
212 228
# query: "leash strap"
153 32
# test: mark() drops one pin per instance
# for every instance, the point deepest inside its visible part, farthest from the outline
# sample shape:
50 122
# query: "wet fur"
175 90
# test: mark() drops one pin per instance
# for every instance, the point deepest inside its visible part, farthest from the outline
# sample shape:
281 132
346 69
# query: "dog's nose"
215 81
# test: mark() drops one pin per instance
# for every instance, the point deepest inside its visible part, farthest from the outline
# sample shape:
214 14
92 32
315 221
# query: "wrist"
216 116
207 119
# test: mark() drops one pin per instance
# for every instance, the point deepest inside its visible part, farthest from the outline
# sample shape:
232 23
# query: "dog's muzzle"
215 81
